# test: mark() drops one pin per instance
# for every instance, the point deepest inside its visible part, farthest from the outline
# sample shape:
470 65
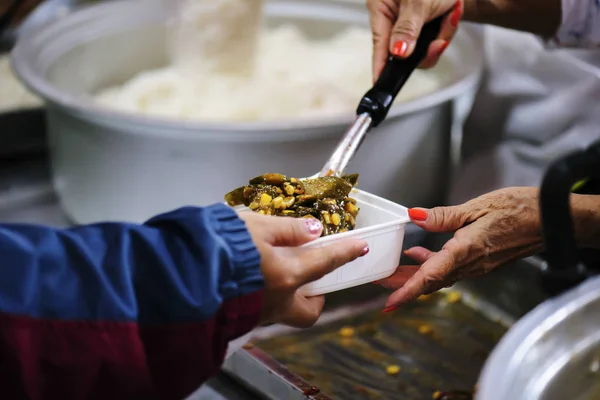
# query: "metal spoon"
375 104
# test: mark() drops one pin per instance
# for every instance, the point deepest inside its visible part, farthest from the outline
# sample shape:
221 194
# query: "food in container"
382 224
324 198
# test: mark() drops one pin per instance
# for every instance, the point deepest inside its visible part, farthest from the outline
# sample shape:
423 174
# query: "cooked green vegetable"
325 198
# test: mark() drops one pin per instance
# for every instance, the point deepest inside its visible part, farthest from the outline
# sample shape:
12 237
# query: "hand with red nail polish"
396 25
286 267
489 231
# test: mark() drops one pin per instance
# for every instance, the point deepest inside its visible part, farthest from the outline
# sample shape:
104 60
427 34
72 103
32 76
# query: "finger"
411 17
447 32
435 51
441 219
285 231
400 277
304 311
381 17
433 275
419 254
313 264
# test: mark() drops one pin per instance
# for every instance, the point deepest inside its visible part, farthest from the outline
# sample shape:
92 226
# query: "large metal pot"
113 166
553 353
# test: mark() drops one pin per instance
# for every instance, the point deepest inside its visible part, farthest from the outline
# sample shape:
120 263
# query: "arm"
124 311
574 23
586 219
542 17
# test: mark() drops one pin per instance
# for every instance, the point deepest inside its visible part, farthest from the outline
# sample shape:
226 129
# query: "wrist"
585 210
540 17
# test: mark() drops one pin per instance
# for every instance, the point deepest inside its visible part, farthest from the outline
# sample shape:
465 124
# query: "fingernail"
365 251
417 214
456 14
389 309
314 225
405 252
399 49
443 48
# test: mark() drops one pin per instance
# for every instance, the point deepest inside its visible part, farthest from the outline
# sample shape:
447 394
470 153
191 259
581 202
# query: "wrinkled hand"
490 230
287 267
396 25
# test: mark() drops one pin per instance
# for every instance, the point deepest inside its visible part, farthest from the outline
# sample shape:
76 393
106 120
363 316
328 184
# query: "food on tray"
425 329
325 198
453 297
227 65
347 332
392 370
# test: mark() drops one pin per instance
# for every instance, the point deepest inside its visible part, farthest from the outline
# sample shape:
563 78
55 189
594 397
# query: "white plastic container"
382 224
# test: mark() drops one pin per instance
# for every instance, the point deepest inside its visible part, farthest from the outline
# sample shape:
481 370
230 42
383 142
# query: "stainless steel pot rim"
85 108
502 367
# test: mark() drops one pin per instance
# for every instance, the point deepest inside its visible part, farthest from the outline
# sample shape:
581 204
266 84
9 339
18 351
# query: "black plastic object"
378 101
564 266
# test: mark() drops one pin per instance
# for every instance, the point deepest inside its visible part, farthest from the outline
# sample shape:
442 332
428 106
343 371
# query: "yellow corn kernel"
425 329
261 212
436 395
352 209
453 297
288 202
289 190
265 199
392 369
347 331
335 218
277 202
253 206
326 217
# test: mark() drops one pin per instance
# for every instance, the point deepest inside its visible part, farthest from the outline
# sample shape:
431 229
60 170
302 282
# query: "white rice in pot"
284 75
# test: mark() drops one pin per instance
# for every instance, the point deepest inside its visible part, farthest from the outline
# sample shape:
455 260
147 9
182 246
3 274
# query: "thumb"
286 231
440 219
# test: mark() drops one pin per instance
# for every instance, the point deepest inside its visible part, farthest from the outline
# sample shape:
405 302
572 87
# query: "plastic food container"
382 224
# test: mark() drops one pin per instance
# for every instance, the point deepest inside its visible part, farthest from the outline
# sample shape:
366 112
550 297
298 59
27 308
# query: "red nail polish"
389 309
365 251
444 47
314 225
417 214
376 283
456 14
399 49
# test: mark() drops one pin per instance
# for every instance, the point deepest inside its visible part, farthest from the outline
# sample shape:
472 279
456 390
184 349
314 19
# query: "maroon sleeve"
48 359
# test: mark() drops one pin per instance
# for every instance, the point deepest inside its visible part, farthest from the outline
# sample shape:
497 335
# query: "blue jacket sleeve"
177 267
124 311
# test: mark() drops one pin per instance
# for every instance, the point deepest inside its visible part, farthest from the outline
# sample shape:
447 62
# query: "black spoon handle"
378 101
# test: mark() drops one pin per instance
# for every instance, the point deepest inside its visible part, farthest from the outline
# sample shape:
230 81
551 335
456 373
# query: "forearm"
541 17
586 220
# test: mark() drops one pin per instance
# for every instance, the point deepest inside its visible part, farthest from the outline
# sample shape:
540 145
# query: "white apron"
535 104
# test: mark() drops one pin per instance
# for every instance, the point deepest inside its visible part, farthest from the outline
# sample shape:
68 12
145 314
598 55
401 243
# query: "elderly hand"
287 267
396 25
490 230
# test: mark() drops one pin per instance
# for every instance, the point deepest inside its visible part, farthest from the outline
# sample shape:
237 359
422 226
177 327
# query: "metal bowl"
553 353
109 165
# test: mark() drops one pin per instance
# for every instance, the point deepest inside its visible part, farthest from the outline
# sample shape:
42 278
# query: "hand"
490 230
396 25
287 267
